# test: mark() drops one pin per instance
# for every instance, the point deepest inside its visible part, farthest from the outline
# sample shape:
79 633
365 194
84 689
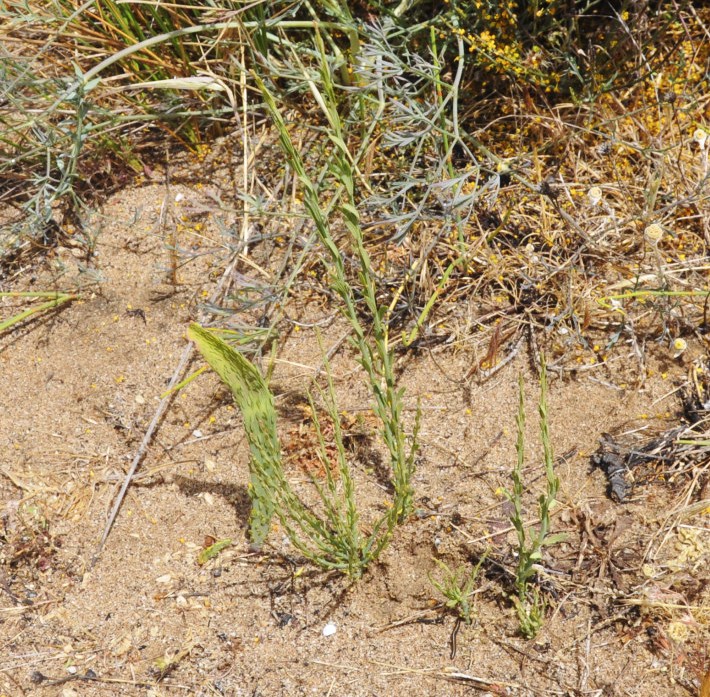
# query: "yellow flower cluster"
496 44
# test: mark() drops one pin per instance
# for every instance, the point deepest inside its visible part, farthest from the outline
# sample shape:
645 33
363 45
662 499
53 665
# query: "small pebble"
329 629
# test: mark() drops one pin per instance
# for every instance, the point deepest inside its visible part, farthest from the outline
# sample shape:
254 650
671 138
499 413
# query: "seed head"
679 346
654 233
594 195
700 136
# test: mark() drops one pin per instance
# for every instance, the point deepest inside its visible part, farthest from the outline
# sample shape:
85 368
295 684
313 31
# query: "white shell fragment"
330 629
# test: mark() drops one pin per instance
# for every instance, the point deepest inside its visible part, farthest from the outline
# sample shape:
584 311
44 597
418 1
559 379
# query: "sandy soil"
626 589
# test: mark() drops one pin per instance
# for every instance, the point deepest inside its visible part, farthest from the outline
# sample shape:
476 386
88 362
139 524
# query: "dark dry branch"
672 456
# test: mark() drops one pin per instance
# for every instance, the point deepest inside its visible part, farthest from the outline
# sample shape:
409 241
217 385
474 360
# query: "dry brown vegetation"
520 201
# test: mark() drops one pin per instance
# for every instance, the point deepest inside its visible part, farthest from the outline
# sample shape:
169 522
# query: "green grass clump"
375 354
333 540
332 537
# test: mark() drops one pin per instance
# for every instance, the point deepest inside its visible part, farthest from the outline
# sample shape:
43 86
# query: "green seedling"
212 551
456 586
529 604
330 536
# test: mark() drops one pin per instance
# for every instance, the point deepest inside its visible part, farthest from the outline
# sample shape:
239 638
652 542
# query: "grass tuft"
332 539
529 603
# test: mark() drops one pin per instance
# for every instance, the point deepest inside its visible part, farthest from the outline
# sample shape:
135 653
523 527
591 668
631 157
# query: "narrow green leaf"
257 406
212 551
554 539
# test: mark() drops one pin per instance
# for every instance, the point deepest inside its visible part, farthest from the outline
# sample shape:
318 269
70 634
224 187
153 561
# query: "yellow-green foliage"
257 406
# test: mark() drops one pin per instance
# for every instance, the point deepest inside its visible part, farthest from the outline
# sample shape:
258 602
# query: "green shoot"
529 604
457 586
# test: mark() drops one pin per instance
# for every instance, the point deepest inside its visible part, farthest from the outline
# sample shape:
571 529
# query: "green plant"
67 115
529 603
331 537
533 44
375 355
54 299
456 586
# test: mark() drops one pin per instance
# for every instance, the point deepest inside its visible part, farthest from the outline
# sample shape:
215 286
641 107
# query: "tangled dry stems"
555 247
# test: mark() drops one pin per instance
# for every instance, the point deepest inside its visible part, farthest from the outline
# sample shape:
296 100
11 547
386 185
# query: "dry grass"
522 221
562 247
